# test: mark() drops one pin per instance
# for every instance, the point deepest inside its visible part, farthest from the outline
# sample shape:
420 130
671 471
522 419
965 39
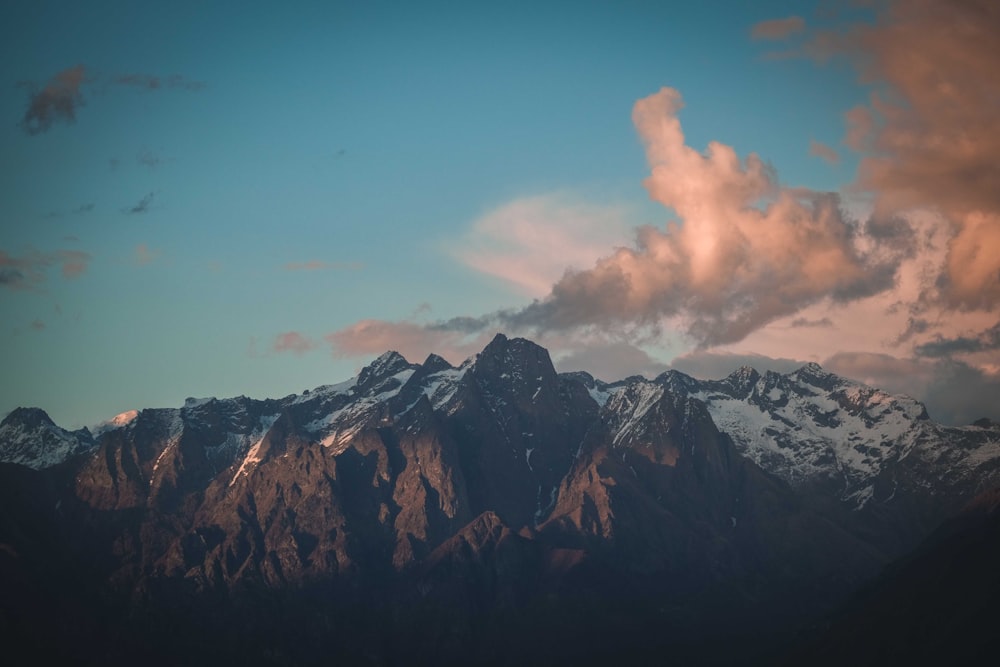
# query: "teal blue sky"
240 171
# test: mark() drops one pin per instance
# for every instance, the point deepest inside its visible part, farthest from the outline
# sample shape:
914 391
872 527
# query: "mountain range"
497 512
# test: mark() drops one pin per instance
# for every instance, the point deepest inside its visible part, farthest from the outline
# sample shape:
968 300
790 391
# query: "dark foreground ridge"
492 513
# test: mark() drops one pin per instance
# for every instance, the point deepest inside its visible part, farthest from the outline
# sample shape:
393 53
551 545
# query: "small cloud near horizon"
777 29
294 342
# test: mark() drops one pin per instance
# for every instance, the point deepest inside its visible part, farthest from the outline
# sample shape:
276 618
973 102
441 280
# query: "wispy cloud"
804 322
31 270
411 339
294 342
58 100
318 265
62 96
987 340
824 152
531 242
142 206
148 158
777 29
154 82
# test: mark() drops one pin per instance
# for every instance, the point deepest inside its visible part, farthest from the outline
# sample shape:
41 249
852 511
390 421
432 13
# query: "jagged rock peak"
813 374
514 353
386 365
29 417
434 364
676 381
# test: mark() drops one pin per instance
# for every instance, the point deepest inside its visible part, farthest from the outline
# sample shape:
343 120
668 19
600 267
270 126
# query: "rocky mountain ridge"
455 507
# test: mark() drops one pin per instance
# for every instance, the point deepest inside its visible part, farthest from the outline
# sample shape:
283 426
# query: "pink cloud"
745 252
413 340
530 242
821 150
294 342
931 132
777 29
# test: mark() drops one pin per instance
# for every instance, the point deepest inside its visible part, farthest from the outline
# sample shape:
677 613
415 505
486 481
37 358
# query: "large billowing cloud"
931 134
907 299
745 250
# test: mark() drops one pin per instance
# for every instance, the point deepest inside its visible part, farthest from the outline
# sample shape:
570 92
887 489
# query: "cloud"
62 96
148 158
317 265
58 100
777 29
987 340
31 270
716 365
931 132
144 255
954 392
413 340
610 361
823 151
154 82
142 206
803 322
294 342
745 251
530 242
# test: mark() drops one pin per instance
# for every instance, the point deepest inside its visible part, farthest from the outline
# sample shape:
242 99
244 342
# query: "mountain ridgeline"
491 513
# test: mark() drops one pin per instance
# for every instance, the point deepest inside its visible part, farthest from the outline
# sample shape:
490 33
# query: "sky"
222 199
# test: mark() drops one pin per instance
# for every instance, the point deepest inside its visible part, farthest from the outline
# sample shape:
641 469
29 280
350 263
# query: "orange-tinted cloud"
931 133
530 242
746 250
821 150
413 340
294 342
777 29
